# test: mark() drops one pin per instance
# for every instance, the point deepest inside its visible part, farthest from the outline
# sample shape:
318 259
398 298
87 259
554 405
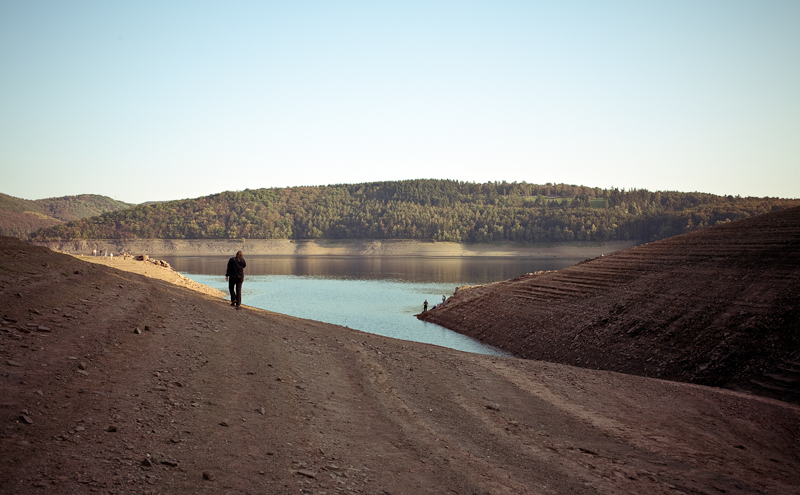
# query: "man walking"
234 275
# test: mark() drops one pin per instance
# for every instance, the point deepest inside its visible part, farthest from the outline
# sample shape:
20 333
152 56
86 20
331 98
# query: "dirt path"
264 403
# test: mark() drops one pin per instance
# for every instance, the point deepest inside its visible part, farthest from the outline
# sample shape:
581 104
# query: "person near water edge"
234 275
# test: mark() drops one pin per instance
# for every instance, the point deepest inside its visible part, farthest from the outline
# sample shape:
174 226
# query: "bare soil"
718 307
206 399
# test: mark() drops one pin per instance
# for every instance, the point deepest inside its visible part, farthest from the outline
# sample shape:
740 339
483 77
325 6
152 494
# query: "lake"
379 295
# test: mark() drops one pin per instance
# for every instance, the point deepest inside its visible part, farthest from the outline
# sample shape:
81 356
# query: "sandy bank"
153 271
282 247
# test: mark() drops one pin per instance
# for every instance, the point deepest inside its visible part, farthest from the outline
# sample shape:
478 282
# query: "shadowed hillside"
19 217
718 307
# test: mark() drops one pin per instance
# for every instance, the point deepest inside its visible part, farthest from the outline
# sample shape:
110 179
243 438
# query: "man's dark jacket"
236 268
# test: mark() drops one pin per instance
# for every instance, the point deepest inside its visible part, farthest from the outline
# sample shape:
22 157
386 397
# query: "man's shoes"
238 307
233 304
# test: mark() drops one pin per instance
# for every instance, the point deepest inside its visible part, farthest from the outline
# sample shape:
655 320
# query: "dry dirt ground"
720 307
207 399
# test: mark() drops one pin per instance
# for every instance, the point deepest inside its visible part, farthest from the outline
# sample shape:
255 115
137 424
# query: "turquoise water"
379 296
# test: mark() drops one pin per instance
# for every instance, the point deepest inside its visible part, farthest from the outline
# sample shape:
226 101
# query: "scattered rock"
83 372
147 328
42 328
170 462
208 476
306 473
26 419
146 462
81 366
223 423
137 331
13 363
262 410
111 429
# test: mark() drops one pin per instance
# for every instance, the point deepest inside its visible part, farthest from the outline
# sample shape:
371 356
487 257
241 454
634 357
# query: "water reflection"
406 269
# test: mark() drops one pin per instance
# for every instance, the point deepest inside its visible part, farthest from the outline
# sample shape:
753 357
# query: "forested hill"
19 217
440 210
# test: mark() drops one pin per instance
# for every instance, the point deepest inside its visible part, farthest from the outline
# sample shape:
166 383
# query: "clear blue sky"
165 100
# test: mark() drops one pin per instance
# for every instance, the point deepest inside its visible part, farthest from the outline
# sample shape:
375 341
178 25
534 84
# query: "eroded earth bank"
720 306
205 399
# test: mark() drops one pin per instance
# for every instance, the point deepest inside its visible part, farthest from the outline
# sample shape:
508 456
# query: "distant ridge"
718 307
423 209
19 217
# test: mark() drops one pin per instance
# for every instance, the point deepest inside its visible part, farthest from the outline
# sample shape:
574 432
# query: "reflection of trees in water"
439 270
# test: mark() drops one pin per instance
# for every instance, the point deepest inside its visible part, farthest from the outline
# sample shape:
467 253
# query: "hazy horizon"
361 182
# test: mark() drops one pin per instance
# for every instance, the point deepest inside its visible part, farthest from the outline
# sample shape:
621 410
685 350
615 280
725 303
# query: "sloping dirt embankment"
719 307
283 247
206 399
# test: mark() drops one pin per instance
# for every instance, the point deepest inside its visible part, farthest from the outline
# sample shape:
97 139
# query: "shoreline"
327 247
120 383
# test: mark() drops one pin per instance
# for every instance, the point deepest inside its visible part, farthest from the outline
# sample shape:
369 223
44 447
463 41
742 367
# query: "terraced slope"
719 307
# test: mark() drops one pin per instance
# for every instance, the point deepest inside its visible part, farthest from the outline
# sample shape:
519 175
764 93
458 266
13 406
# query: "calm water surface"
372 294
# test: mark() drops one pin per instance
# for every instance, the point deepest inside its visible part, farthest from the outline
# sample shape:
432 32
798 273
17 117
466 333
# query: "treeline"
441 210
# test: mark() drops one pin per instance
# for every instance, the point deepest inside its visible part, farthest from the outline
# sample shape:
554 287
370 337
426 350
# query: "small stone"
262 410
208 476
42 328
111 429
146 462
26 419
223 423
137 331
13 363
83 372
82 366
170 462
147 328
306 473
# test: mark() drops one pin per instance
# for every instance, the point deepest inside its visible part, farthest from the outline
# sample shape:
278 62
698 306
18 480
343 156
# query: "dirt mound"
114 382
719 307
